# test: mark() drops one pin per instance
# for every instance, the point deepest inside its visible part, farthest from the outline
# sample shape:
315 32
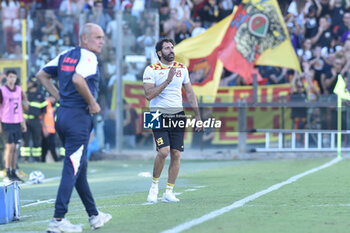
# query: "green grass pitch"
319 202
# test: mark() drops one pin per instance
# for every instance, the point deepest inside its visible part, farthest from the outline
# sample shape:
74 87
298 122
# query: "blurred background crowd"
319 31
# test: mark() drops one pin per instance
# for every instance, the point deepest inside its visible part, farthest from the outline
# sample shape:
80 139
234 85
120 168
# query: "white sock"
169 187
155 182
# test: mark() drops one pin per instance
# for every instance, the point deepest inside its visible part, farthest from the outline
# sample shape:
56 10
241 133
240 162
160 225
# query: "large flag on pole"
254 34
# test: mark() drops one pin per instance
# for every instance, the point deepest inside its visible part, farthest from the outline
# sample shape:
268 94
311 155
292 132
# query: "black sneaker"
14 177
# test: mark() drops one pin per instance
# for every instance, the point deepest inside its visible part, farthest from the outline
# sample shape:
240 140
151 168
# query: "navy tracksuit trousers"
74 126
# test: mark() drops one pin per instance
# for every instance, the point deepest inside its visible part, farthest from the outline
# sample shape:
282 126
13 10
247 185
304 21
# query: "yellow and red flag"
254 34
200 55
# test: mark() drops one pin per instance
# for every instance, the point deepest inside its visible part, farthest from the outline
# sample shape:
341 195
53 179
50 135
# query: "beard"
169 58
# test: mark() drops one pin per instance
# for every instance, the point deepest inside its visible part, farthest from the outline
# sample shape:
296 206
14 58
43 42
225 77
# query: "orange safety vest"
49 118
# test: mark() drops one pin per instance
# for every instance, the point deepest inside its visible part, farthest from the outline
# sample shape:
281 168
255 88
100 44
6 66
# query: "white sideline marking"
242 202
145 174
44 181
190 190
38 202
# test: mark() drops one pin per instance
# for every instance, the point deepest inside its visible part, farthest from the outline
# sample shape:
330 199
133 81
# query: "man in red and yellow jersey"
163 82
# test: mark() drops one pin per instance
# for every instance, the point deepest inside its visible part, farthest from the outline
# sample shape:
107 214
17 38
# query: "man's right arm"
45 80
151 90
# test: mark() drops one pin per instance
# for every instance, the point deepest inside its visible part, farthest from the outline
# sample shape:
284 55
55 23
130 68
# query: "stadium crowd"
319 32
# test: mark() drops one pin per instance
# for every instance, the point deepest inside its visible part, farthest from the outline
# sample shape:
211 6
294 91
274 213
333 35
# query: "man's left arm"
83 89
191 97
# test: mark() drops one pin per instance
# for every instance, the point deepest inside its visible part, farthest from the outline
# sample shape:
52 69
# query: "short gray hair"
85 30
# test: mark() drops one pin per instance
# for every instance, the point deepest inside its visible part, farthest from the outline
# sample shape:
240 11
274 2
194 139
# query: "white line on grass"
44 181
38 202
242 202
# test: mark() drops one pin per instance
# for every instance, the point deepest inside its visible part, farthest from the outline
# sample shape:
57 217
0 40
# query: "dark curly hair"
160 43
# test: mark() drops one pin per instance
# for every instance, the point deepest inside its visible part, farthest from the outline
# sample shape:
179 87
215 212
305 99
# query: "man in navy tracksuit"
77 73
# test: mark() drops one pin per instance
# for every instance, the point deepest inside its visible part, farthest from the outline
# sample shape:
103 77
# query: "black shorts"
171 136
12 132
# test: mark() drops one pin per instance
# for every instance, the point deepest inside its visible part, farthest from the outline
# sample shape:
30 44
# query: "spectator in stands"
129 41
109 67
138 7
2 42
311 85
65 43
69 12
305 54
295 33
346 69
276 75
345 30
330 78
40 4
17 26
337 10
171 25
298 95
38 23
128 76
228 78
109 70
319 66
184 8
325 7
183 33
226 7
112 32
310 23
9 13
55 4
146 19
164 15
53 26
295 10
131 20
155 4
88 6
197 27
42 46
324 34
147 42
99 16
329 81
210 13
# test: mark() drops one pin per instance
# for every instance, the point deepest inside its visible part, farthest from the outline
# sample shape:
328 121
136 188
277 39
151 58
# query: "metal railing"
304 140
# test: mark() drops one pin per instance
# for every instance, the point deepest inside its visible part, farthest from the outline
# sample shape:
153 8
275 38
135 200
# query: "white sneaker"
153 195
3 173
169 196
97 221
7 180
63 226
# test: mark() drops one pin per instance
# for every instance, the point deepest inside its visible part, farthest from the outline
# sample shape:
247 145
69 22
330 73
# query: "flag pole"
339 126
